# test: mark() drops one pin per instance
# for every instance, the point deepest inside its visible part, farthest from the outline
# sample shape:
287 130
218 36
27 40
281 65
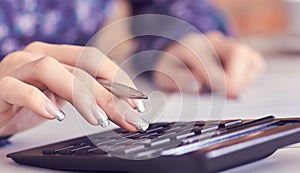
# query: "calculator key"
205 129
149 152
64 152
167 135
123 141
48 152
228 123
159 141
107 142
96 151
81 152
154 129
80 148
151 126
133 148
185 135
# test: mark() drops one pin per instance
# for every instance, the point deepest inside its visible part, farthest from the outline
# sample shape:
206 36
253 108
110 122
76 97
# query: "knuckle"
80 72
33 46
15 54
238 48
112 105
30 92
45 64
92 51
13 57
29 95
4 81
109 103
95 54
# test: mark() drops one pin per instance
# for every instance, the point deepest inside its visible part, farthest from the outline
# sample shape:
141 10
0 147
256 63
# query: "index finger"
242 67
89 59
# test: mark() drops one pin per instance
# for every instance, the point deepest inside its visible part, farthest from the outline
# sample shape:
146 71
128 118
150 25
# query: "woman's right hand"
35 81
214 61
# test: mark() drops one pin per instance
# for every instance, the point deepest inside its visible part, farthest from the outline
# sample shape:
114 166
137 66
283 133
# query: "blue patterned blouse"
76 21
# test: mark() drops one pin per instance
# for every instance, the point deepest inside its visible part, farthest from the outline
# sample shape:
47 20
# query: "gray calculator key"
185 135
128 149
160 141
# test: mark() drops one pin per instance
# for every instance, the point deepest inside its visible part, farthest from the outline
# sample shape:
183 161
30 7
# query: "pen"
121 90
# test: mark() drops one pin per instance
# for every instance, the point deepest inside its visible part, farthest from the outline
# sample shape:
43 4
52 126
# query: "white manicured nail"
55 111
141 125
140 106
100 116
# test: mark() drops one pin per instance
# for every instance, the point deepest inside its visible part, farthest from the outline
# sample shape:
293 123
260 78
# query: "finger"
242 66
15 60
134 103
236 74
113 106
122 114
256 67
15 92
89 59
57 100
53 75
196 53
76 89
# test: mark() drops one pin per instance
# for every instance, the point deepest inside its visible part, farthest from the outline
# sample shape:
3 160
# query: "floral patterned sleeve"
76 21
52 21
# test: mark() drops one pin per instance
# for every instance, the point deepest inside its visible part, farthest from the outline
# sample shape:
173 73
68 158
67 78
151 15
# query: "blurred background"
272 26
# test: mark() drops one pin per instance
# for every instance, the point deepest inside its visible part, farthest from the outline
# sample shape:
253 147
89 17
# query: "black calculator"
168 147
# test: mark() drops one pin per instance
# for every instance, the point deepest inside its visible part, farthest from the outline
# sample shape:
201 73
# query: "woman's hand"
193 65
35 82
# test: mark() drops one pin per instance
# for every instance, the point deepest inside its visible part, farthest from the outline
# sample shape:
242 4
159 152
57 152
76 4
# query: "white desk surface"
276 92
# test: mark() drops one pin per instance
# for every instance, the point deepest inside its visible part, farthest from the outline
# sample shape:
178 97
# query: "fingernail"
142 125
140 106
138 122
55 111
100 116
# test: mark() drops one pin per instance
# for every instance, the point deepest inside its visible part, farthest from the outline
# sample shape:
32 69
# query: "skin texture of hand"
224 65
36 81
